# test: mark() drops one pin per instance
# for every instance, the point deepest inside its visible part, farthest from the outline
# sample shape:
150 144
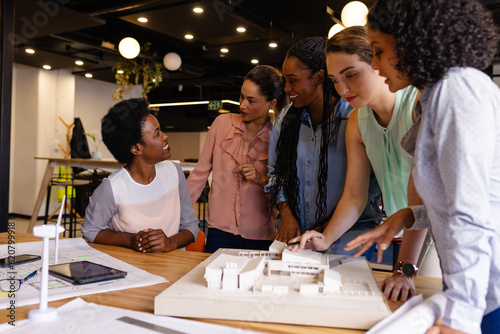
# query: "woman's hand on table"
153 240
398 288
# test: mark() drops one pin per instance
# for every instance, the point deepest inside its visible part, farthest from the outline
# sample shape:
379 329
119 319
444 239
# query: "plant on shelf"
147 70
96 154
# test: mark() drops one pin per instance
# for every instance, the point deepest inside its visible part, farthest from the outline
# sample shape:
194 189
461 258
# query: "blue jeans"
359 228
491 322
219 239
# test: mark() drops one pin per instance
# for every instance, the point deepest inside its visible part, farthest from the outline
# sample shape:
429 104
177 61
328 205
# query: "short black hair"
434 35
121 128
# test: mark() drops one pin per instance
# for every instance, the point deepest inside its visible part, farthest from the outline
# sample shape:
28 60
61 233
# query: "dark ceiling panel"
41 58
90 30
43 18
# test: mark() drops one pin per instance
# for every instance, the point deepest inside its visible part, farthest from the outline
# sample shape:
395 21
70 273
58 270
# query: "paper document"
70 250
82 317
415 316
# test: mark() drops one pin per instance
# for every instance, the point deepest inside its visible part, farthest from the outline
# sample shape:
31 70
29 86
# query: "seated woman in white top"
144 205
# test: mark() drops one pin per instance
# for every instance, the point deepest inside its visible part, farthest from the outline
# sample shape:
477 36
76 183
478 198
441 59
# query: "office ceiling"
62 31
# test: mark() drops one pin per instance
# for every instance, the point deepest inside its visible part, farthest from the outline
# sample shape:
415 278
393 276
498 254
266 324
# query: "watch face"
408 270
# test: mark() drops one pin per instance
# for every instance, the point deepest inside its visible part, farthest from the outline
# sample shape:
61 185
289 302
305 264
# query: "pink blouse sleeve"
198 177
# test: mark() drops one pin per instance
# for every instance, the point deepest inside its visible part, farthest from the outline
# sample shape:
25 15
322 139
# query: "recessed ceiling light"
30 51
119 71
224 50
273 45
198 10
88 75
241 29
79 62
46 67
142 19
188 36
254 61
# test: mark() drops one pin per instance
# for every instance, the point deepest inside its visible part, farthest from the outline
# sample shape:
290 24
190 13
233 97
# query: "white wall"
39 98
23 171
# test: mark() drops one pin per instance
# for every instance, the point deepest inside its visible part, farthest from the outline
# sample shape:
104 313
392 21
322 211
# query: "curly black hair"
434 35
310 51
121 128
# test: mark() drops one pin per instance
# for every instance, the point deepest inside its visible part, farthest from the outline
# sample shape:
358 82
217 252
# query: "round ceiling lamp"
172 61
129 48
354 14
335 29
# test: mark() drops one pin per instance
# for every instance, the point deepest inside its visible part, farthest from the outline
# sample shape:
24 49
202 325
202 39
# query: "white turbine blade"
63 203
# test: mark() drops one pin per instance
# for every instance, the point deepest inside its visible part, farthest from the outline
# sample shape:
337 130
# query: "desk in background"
82 163
174 265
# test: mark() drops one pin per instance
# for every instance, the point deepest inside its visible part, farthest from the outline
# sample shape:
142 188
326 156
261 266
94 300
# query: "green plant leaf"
146 70
90 135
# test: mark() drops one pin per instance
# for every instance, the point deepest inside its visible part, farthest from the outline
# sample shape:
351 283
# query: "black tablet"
18 259
83 272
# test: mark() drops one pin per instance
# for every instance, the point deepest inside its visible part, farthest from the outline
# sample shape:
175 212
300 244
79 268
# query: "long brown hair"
352 40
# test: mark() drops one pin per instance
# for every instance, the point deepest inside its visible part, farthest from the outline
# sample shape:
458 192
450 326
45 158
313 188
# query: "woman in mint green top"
383 147
373 137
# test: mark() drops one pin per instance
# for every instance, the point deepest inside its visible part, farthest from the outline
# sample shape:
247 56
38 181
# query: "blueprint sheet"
70 250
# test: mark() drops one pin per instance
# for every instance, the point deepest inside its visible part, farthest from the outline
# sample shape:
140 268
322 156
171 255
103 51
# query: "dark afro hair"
121 128
434 35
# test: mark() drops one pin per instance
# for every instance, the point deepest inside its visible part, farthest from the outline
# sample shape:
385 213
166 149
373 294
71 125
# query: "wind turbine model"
43 312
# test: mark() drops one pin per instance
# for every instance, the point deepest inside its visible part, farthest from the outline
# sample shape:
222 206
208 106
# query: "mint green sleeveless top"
383 146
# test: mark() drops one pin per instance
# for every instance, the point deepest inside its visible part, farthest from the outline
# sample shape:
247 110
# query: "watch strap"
407 269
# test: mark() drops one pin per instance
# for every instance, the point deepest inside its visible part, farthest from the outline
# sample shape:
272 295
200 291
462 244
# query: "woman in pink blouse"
235 151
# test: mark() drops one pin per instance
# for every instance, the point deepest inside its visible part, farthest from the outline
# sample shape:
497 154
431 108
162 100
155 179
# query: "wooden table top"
174 265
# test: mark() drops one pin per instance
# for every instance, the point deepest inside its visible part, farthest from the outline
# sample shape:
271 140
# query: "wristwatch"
407 269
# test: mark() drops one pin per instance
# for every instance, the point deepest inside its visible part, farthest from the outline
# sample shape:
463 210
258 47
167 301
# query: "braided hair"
310 51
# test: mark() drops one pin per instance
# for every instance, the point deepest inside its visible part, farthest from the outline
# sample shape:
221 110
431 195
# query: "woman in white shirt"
440 47
144 205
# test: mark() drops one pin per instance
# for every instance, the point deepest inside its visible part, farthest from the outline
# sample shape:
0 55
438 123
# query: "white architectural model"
245 270
280 286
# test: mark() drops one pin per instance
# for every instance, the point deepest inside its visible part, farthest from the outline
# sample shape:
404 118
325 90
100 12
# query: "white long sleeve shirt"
457 175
